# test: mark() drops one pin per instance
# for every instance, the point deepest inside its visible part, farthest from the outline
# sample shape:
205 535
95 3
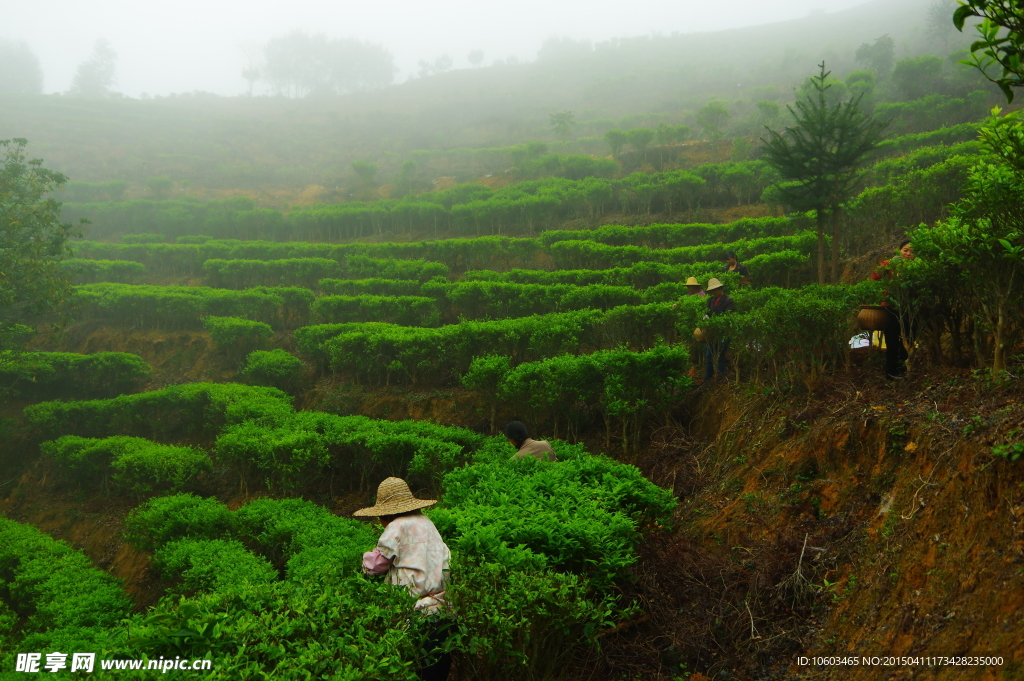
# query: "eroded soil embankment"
870 519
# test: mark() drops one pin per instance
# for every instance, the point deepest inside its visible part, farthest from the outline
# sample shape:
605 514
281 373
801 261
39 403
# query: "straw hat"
713 284
393 497
692 281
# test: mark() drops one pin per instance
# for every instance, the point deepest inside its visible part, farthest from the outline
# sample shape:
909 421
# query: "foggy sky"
190 45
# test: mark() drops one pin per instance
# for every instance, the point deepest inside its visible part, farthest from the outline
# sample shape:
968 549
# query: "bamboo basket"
873 317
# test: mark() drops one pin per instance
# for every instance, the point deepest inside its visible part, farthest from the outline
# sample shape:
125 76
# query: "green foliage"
404 310
177 307
820 157
353 449
49 375
82 271
53 586
1001 41
275 368
529 515
176 412
134 464
33 239
143 238
164 519
204 565
237 337
1010 452
355 630
516 624
617 384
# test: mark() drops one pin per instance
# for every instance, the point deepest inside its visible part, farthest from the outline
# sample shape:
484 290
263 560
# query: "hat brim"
394 507
715 288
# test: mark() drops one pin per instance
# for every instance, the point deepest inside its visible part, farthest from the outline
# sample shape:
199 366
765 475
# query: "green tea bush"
49 375
164 519
241 274
404 310
82 271
354 449
53 586
308 541
356 629
581 254
369 287
674 235
143 238
236 337
172 413
204 565
515 624
170 307
132 463
579 515
275 368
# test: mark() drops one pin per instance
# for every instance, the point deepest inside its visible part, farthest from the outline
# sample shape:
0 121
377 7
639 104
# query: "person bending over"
526 446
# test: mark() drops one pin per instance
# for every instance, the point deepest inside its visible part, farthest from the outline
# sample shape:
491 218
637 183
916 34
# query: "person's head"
693 285
394 499
906 252
715 288
731 258
516 433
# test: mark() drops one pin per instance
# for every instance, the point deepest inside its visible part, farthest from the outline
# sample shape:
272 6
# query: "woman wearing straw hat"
718 303
412 554
693 287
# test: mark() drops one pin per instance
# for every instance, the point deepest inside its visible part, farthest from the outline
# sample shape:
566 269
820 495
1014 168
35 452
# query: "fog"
195 45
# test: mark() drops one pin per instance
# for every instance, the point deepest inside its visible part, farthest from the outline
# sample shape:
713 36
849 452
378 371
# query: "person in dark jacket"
718 303
733 264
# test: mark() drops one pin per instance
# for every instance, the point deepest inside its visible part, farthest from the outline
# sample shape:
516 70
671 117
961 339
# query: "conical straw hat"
713 284
393 497
692 281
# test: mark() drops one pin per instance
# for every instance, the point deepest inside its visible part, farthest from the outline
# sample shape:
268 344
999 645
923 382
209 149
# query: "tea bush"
203 565
404 310
131 463
82 271
49 375
275 368
176 412
236 337
164 519
52 585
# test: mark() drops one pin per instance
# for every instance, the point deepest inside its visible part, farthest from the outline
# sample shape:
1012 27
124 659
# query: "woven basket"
698 335
873 317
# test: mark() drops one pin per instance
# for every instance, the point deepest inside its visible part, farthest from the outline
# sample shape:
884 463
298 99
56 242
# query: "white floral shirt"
418 559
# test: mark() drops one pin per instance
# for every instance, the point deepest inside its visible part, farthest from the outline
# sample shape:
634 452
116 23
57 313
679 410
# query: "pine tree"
820 158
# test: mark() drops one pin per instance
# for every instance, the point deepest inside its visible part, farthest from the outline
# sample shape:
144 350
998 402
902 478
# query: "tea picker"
411 553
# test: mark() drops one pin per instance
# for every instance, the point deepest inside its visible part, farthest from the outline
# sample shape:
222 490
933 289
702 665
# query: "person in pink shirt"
411 553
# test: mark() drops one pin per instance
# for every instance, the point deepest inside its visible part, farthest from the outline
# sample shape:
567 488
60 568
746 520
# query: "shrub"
81 271
165 519
48 375
175 412
275 368
133 463
205 565
53 585
237 337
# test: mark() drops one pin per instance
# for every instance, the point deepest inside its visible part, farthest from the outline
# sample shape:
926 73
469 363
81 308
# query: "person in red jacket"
895 350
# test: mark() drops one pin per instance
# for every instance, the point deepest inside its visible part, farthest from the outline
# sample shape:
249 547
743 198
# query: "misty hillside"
275 141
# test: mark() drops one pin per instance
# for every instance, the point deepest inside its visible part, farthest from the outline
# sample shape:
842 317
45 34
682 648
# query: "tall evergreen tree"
820 158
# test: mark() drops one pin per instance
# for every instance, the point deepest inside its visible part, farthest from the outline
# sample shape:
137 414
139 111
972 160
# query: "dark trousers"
895 352
715 351
441 663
